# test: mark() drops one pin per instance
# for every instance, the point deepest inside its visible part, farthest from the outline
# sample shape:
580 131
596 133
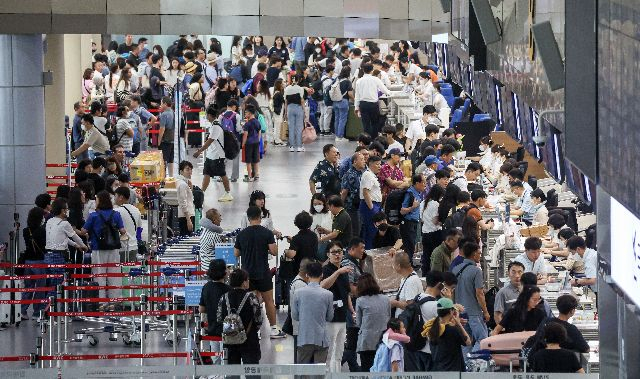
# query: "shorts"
214 167
260 285
167 151
251 153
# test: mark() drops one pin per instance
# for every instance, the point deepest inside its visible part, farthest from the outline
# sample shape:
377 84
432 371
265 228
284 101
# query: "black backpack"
456 219
109 236
198 197
411 317
231 145
490 299
393 205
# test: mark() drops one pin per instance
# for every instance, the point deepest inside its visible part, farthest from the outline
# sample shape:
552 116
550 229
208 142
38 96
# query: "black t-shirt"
389 239
34 242
555 360
340 290
345 86
342 222
305 243
512 322
210 297
272 75
253 243
446 354
99 183
575 340
248 315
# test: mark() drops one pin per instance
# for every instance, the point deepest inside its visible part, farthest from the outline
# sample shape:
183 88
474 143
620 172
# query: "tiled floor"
284 178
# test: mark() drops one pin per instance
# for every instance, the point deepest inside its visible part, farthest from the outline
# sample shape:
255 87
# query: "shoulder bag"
142 246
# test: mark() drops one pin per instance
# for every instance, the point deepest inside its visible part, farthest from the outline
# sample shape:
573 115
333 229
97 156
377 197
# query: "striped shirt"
208 242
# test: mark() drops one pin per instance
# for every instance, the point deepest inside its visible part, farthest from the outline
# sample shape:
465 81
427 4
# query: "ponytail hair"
434 332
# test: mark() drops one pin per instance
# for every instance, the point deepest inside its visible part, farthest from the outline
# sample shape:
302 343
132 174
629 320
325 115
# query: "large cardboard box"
148 167
379 263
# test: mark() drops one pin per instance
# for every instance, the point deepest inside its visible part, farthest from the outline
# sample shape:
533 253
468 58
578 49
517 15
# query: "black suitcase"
91 293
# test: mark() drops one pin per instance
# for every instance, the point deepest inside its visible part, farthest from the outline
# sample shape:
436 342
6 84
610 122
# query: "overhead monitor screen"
535 131
625 250
516 115
499 116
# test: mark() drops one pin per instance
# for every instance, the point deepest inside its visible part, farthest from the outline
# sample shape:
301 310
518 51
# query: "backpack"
198 197
231 145
393 205
109 236
456 219
247 88
411 317
228 123
326 96
382 360
236 73
335 94
490 300
233 331
317 90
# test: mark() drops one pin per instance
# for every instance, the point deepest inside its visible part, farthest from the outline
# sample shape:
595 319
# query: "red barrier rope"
124 275
32 301
123 287
16 358
37 289
93 357
32 277
73 165
111 299
94 265
120 314
211 338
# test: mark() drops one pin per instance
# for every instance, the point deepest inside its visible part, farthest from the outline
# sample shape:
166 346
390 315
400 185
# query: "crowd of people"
398 190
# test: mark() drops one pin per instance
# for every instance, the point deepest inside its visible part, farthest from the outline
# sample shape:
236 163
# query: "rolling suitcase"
354 124
505 348
10 313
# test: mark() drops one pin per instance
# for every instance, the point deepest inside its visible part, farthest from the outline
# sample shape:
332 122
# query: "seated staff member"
577 245
524 315
533 260
387 235
538 212
560 250
523 206
509 293
370 199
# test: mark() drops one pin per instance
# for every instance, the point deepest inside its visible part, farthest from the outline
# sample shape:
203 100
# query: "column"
22 171
54 105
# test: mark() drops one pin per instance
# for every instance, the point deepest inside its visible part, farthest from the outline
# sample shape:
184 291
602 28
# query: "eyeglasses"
335 252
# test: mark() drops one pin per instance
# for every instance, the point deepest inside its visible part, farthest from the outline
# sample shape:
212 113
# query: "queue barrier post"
174 328
52 308
43 334
66 295
143 307
59 291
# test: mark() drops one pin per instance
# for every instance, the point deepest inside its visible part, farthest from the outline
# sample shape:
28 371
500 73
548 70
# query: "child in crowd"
251 144
390 353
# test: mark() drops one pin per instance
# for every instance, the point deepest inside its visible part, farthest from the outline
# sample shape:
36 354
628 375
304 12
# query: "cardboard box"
380 264
535 231
148 167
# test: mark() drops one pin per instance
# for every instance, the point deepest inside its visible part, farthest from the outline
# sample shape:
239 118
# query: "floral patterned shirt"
388 172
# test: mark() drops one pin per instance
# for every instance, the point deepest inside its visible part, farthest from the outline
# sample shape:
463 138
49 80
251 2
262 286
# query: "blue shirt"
344 166
351 182
94 224
411 195
444 164
297 44
144 115
78 138
525 204
252 127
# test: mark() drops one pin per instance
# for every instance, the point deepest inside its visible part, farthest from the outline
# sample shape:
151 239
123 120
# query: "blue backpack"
382 361
247 87
228 122
236 73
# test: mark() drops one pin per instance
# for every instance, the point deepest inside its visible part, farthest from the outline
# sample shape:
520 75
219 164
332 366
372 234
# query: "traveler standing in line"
294 113
100 253
370 199
554 358
432 235
470 293
312 307
250 313
524 315
322 222
336 278
341 107
94 138
350 190
299 61
366 100
373 310
124 128
353 259
77 137
411 214
184 189
410 286
326 109
300 281
210 297
35 241
326 173
305 243
567 305
215 162
166 133
132 221
341 226
508 294
446 334
254 244
251 143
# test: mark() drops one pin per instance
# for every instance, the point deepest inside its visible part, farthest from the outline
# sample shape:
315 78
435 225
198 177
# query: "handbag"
284 130
142 246
308 134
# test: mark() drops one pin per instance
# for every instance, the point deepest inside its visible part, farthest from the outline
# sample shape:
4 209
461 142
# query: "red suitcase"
505 348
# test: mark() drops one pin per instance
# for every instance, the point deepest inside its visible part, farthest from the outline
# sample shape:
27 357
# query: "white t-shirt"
323 220
429 310
96 137
395 145
215 150
537 267
410 288
370 182
129 225
416 132
429 215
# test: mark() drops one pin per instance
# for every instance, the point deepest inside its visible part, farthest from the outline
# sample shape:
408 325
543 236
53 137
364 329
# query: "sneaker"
277 333
292 149
226 197
247 179
339 139
301 150
233 180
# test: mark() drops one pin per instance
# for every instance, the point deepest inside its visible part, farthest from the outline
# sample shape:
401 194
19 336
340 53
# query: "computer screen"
499 110
574 180
516 115
535 132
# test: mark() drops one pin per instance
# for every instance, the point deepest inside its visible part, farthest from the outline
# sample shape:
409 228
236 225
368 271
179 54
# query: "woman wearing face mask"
321 222
124 128
425 88
112 185
485 150
113 168
35 238
539 210
258 199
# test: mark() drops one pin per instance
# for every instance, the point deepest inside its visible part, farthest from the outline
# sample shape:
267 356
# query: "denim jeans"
368 229
477 329
295 115
341 113
34 283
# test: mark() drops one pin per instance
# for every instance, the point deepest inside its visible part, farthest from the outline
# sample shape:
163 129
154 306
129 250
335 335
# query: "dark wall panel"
581 85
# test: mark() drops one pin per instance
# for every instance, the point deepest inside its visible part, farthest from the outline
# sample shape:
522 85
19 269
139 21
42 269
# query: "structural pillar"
54 105
22 132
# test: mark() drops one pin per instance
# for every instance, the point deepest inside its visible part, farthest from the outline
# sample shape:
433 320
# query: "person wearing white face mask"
485 150
322 222
94 138
425 88
124 128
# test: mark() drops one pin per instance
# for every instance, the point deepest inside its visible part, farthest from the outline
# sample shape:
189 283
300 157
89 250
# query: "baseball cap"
431 159
395 151
444 303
